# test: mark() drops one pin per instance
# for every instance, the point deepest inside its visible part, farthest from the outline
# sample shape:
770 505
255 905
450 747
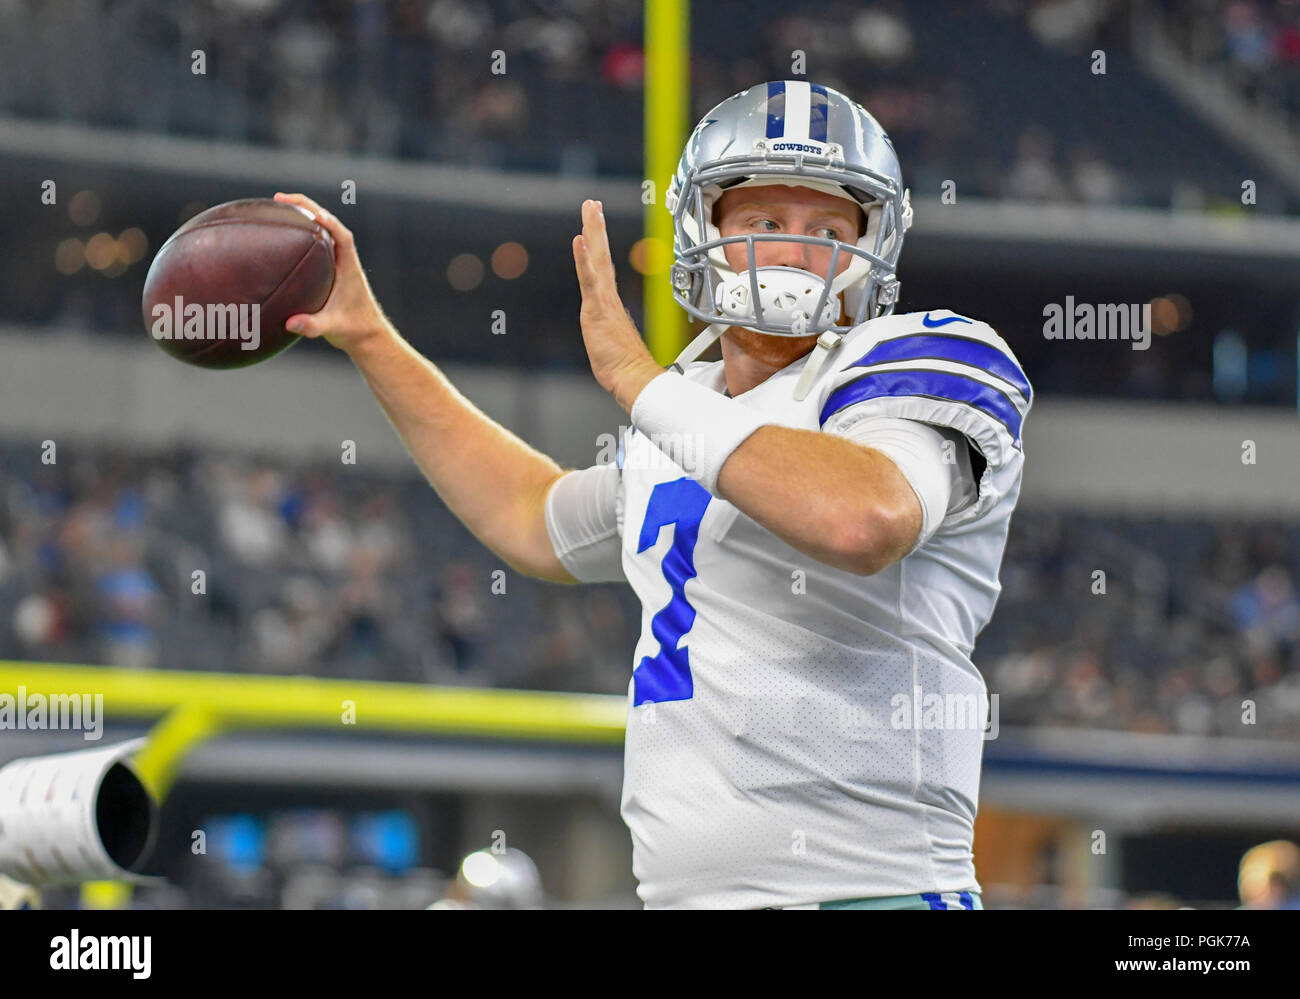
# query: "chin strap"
826 345
698 346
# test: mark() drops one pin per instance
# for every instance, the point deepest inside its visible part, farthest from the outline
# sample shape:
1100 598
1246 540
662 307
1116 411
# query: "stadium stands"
372 578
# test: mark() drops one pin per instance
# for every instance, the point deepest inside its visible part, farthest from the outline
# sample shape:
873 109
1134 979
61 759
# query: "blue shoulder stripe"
817 107
942 385
948 347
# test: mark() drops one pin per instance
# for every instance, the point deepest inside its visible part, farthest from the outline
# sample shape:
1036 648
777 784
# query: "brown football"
220 289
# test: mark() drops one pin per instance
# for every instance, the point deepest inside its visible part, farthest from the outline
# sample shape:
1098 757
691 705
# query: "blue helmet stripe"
817 113
939 385
936 902
966 902
776 109
947 347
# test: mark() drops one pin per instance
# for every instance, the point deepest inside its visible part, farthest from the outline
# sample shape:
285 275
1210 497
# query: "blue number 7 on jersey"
666 676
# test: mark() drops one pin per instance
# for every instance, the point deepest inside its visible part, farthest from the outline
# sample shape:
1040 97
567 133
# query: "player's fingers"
301 200
592 258
593 229
597 298
341 233
582 264
303 324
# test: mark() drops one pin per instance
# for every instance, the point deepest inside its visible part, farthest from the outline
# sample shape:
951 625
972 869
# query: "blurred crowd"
1160 626
1253 46
195 561
557 85
189 560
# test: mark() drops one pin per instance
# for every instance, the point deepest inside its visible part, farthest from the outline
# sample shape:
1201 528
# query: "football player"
814 524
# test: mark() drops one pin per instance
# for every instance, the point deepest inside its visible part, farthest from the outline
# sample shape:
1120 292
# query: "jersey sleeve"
935 461
582 517
950 372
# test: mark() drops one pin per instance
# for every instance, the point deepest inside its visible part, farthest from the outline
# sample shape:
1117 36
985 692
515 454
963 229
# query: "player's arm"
495 483
845 504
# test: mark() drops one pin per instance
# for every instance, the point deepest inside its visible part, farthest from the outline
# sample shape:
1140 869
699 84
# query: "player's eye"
761 221
831 232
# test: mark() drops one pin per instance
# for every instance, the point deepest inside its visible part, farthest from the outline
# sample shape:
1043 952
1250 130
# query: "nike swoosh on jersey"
926 321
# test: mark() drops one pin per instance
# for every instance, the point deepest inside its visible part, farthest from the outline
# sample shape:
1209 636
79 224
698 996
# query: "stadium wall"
1110 456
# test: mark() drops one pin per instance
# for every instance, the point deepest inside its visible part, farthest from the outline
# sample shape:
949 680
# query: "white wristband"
693 425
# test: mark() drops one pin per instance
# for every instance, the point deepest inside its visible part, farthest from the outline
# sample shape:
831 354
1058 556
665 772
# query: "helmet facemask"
786 301
801 134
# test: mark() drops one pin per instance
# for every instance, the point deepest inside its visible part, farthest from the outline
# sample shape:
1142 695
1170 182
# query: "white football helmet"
490 880
794 133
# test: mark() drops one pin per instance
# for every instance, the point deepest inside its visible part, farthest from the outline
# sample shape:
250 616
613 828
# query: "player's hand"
352 314
619 358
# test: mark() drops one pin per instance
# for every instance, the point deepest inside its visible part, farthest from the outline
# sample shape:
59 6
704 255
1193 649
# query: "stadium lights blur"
481 869
69 256
649 256
509 261
1170 313
132 244
465 272
101 251
84 207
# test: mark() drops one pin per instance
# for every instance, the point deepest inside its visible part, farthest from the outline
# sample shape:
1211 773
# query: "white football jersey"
798 733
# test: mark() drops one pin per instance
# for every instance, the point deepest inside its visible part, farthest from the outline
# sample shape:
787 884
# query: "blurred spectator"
1267 605
250 526
1092 179
462 614
1247 42
1269 876
1067 24
1034 176
291 636
882 35
128 609
623 66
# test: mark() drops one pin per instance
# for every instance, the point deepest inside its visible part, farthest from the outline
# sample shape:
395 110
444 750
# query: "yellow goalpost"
667 106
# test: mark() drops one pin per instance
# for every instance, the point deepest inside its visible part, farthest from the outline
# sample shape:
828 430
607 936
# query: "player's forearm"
806 487
491 480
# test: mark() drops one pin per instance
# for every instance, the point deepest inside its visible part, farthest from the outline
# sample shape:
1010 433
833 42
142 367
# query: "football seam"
271 294
294 270
314 228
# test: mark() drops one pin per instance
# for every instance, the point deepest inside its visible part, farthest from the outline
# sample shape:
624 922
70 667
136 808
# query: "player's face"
798 210
778 208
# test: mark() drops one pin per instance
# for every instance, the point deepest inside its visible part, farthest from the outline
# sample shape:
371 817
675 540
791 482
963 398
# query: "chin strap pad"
826 345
